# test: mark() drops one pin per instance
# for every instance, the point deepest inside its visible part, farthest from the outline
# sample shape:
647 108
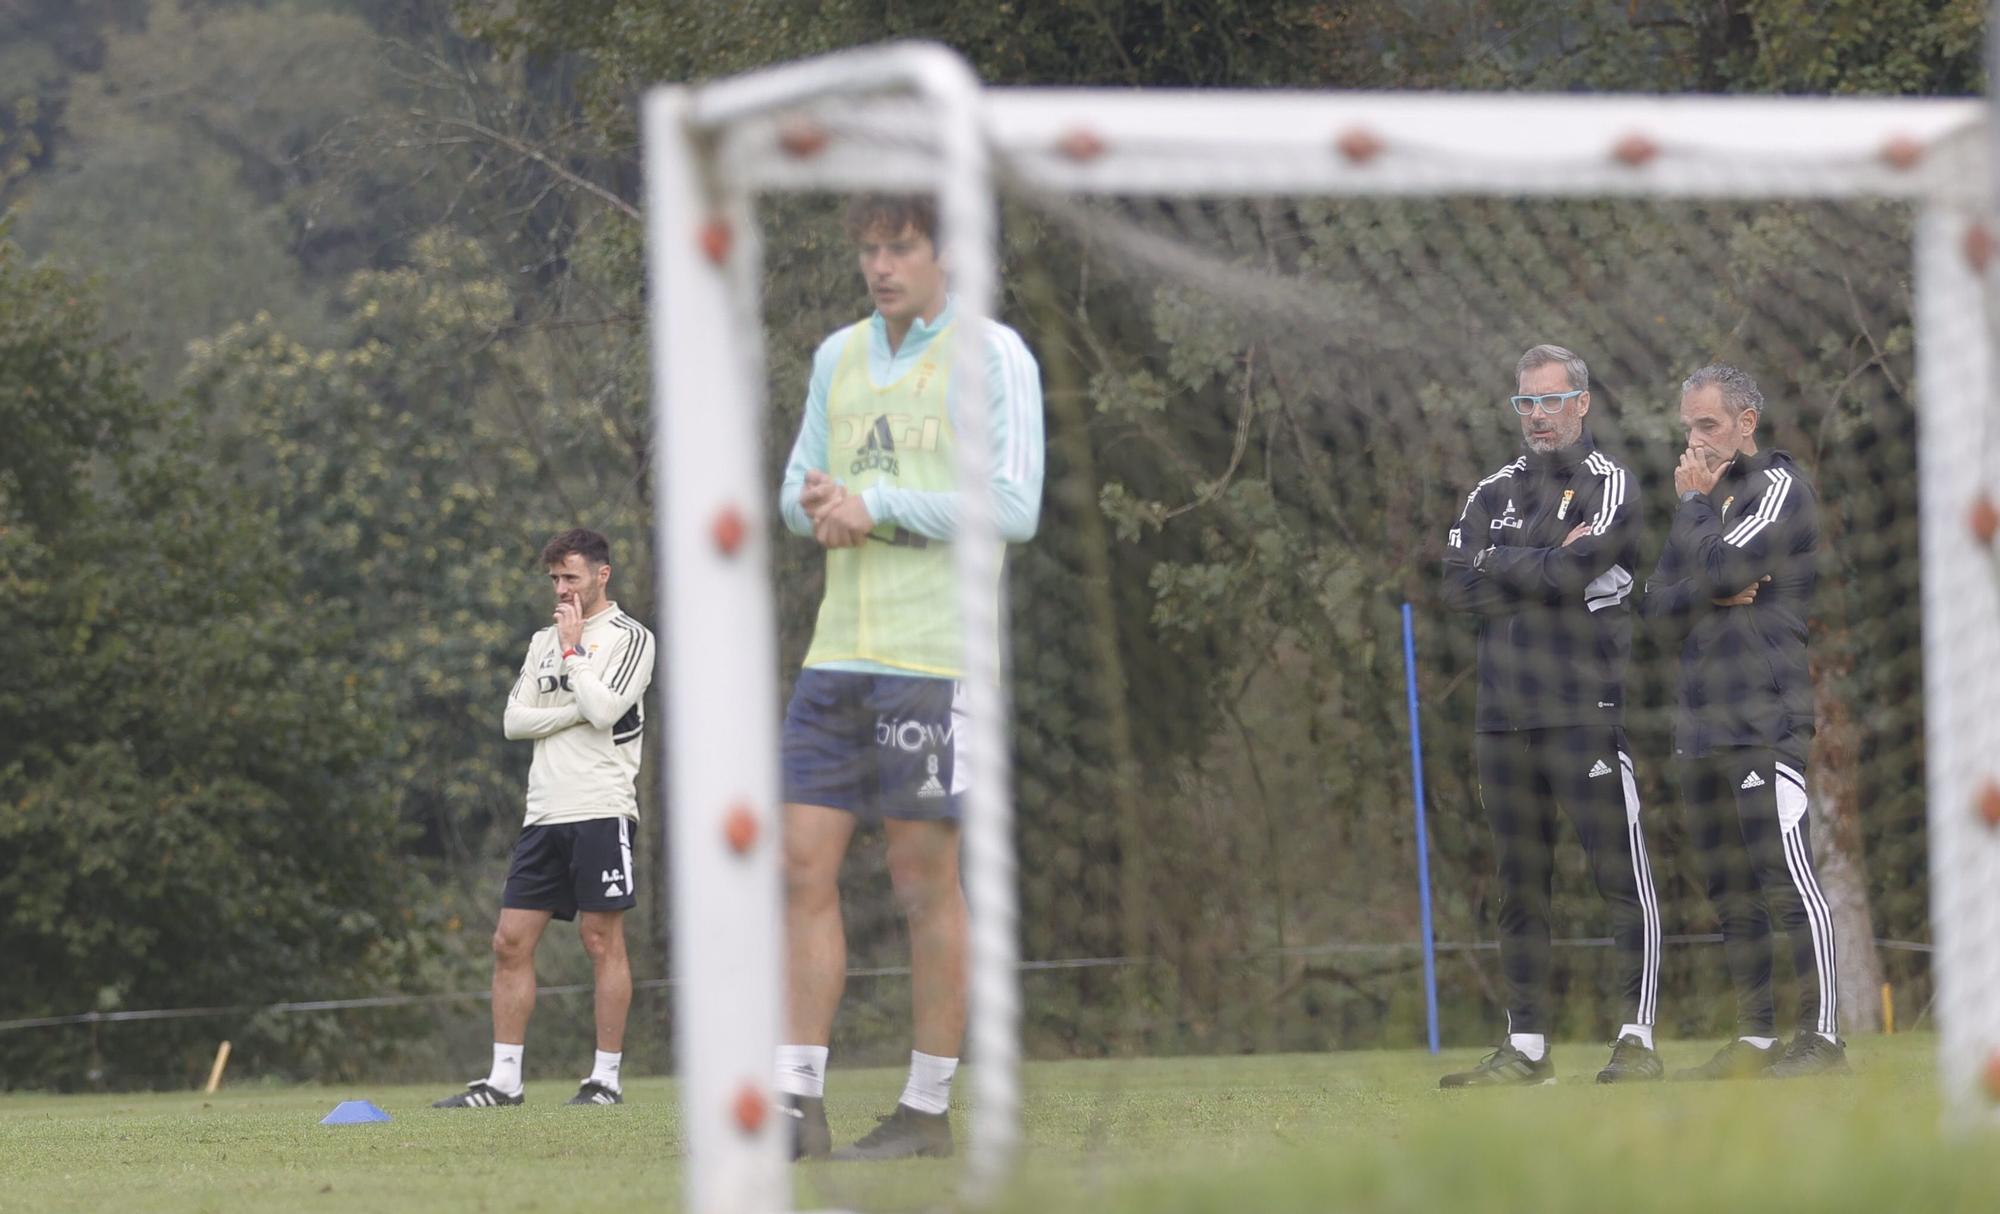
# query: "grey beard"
1555 442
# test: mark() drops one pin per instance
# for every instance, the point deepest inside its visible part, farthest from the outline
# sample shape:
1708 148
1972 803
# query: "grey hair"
1739 391
1541 356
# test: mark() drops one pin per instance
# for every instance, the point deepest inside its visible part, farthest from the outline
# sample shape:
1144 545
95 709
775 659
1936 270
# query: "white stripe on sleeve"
1012 390
1768 508
1614 491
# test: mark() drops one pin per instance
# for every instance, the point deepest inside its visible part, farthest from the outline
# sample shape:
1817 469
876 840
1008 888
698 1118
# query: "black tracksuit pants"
1524 776
1752 840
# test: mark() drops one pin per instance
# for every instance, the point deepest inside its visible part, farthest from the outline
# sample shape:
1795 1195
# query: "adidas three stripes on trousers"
1752 842
1525 777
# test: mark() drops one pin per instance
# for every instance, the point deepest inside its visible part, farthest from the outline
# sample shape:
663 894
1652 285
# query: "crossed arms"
593 702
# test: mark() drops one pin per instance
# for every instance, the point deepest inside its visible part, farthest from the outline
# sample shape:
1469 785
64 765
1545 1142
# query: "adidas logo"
1753 780
1600 768
879 452
932 786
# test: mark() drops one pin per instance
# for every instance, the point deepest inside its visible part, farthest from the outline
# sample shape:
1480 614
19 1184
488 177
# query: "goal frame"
711 151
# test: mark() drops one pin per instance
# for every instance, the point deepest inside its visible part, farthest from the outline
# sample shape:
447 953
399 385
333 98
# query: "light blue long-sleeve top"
1014 427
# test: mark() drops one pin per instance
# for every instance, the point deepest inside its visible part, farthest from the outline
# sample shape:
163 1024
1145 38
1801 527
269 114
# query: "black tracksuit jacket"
1555 623
1743 677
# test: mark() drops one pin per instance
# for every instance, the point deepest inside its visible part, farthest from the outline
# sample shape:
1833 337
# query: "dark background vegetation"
316 317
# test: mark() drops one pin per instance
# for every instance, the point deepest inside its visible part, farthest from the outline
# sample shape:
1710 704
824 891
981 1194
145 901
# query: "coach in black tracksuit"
1734 584
1544 554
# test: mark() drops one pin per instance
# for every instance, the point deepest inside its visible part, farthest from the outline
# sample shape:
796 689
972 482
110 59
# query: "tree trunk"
1837 850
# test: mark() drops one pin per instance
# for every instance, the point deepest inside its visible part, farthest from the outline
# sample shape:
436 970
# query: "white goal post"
711 151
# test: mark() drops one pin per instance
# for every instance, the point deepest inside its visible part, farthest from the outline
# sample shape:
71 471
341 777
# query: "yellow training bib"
893 599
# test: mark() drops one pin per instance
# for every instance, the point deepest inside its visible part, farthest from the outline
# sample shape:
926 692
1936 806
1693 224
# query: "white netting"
1269 385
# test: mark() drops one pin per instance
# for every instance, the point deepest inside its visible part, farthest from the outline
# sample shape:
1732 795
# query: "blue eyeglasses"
1550 404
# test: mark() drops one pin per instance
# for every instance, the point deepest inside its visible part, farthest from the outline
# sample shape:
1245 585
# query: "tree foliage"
384 282
1255 591
1853 46
400 464
189 804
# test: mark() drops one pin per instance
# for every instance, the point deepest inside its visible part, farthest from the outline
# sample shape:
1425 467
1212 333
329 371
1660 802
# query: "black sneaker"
480 1094
1810 1054
904 1134
810 1137
593 1092
1505 1067
1631 1059
1737 1060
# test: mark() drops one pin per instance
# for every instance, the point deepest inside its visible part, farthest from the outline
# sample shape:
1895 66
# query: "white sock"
1831 1039
929 1087
606 1070
1644 1032
1762 1043
506 1073
1534 1045
802 1070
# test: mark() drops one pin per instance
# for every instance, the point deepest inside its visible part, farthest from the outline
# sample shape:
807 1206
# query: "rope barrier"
1337 948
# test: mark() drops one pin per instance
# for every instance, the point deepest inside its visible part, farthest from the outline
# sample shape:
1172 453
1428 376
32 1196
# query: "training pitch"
1273 1135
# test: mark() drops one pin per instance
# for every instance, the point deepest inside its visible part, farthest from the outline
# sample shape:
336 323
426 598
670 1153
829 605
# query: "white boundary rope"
1333 949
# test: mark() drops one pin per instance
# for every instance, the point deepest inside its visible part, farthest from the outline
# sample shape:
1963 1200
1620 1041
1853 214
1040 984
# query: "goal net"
1319 521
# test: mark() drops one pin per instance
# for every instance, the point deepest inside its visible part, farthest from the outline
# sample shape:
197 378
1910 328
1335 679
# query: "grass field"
1272 1135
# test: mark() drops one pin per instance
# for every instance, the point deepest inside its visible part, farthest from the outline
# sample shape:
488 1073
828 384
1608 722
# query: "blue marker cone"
354 1112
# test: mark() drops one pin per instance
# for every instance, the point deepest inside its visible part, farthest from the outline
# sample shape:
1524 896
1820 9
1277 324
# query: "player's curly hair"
892 212
582 541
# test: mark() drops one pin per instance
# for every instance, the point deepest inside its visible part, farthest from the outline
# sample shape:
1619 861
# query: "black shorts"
565 867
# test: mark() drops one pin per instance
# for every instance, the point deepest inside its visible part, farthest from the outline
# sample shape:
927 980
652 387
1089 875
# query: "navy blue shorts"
564 867
875 745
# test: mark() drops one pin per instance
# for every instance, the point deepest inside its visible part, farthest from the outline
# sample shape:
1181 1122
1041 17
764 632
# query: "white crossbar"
1356 144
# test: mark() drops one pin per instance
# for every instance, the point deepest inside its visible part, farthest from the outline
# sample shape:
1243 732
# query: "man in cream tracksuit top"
580 698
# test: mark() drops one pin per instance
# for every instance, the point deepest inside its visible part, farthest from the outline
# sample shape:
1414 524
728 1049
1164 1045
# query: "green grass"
1274 1135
